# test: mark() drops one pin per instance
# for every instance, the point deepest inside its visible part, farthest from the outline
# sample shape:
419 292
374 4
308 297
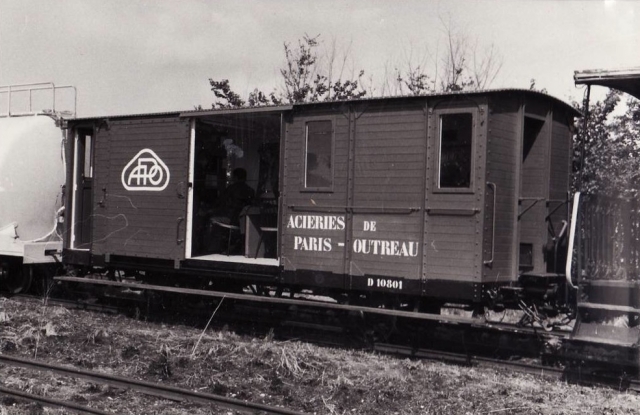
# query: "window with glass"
319 154
456 150
88 156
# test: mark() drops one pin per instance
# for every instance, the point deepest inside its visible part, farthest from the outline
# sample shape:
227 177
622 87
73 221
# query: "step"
609 307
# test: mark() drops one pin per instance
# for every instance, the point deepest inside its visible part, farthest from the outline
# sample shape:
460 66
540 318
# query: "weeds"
290 364
206 327
98 335
45 301
297 375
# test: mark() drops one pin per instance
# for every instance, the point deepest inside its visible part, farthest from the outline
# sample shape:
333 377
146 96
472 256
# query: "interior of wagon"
234 204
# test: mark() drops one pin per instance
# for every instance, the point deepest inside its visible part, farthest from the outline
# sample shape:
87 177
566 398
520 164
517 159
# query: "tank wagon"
413 201
32 176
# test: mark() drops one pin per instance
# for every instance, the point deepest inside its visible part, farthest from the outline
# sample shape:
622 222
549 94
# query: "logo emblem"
145 172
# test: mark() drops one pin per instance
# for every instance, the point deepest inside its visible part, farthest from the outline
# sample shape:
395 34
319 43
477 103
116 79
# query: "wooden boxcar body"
441 196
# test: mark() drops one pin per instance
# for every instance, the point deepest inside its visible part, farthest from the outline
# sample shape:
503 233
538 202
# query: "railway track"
572 374
45 401
153 389
309 330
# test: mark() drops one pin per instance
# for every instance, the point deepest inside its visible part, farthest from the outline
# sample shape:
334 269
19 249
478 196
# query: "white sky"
128 56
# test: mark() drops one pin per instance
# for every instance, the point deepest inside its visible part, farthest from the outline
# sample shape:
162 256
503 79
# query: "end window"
318 157
85 152
456 133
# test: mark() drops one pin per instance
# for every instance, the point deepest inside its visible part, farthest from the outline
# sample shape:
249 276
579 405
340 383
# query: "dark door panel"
140 188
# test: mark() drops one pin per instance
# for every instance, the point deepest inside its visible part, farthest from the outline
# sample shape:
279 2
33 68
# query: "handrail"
178 222
572 235
493 226
29 88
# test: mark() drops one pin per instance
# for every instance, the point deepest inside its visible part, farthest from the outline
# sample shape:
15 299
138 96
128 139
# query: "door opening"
236 188
83 183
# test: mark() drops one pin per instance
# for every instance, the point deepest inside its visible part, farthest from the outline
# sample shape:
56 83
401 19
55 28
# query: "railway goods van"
444 197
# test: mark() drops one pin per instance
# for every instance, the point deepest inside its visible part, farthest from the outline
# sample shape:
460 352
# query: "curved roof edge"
282 108
449 94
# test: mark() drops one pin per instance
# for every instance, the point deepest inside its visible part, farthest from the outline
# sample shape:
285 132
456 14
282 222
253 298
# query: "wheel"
14 277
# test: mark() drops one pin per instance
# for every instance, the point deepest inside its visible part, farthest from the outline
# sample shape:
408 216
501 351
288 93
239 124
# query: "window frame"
303 176
89 142
438 137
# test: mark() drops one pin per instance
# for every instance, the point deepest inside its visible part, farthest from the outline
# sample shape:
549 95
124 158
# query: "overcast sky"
128 56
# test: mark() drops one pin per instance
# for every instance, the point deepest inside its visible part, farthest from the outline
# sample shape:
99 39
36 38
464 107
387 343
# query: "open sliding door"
140 188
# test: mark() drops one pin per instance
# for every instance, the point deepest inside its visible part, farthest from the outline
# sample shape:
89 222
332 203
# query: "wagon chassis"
448 331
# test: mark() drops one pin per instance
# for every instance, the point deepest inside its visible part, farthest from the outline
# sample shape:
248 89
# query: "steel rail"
577 375
62 302
52 402
276 300
473 322
437 318
470 359
149 388
570 374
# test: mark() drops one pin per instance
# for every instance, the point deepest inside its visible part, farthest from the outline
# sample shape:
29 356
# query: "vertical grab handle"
178 240
493 224
572 240
102 202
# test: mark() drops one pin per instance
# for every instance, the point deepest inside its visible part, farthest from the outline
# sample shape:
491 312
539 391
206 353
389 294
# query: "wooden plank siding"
389 173
385 174
559 180
141 223
560 156
300 254
503 157
453 219
535 182
378 163
101 175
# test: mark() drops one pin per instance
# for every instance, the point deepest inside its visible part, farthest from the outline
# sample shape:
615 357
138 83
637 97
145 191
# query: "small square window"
456 137
319 154
526 256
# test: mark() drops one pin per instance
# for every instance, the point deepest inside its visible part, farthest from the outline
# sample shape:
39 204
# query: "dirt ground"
297 375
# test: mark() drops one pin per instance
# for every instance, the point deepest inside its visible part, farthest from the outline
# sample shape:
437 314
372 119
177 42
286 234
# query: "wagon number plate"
390 283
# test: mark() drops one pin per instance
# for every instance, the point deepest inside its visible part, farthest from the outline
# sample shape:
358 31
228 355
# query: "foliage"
611 162
222 91
302 82
314 73
461 66
226 98
532 87
306 78
415 80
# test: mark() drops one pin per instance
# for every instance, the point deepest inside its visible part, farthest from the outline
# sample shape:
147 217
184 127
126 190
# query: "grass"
294 374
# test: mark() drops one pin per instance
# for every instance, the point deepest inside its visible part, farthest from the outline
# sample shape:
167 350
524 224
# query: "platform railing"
608 295
13 93
609 232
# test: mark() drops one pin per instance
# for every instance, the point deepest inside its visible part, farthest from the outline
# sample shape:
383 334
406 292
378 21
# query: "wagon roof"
625 80
387 98
267 109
